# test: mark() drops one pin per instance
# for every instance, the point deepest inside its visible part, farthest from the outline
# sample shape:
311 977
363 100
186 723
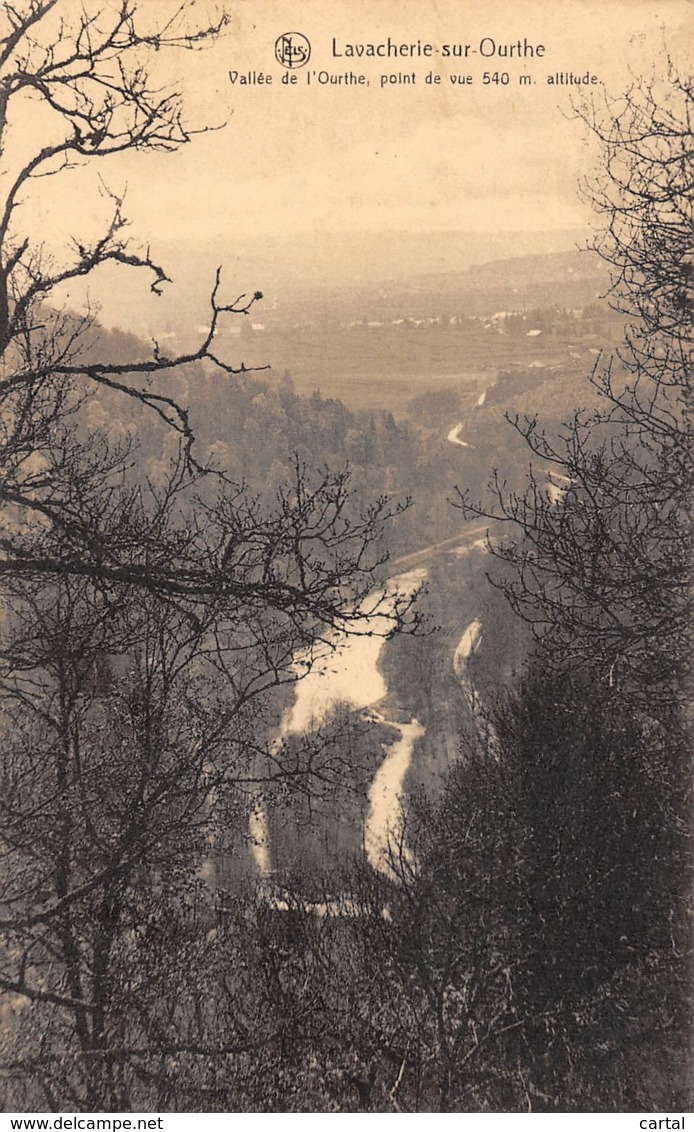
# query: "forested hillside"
345 757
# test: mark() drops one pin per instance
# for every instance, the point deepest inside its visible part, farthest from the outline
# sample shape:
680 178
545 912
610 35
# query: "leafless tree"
89 70
599 733
603 576
142 621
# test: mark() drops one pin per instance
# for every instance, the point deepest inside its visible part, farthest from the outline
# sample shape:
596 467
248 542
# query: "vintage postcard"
345 545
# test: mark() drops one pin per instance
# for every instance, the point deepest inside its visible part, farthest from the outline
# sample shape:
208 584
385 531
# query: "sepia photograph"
346 473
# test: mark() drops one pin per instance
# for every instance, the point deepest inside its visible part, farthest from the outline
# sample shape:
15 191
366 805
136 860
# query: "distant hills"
569 278
313 269
430 312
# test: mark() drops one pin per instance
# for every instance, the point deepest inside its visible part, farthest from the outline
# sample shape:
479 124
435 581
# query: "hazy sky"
294 161
297 159
404 157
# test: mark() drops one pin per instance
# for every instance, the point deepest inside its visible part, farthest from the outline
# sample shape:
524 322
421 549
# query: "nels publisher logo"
292 50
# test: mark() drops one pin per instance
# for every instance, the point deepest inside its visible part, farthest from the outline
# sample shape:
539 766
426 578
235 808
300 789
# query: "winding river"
348 673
